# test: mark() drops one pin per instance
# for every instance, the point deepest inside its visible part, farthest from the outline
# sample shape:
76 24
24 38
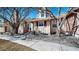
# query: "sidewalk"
46 46
41 45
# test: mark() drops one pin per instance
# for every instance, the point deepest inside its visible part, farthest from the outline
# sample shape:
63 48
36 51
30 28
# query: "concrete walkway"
46 46
41 45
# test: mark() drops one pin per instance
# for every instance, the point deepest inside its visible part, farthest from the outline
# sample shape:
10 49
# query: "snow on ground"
39 44
8 37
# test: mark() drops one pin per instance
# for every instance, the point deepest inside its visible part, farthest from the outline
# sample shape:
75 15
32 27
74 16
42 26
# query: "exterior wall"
7 27
77 23
31 26
71 20
47 28
35 27
2 29
42 29
21 28
53 28
67 26
27 26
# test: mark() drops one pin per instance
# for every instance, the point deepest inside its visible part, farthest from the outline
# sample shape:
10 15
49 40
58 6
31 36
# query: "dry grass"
6 45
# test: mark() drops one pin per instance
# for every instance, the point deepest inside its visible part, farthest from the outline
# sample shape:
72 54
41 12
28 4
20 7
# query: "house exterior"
71 23
4 26
45 24
42 23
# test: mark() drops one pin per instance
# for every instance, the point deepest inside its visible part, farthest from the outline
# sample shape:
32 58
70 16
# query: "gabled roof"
38 19
72 13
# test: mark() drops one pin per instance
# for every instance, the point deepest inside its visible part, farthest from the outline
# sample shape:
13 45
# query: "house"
43 23
71 23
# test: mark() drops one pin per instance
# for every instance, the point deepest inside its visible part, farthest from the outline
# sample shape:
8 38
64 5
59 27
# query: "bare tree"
60 22
14 16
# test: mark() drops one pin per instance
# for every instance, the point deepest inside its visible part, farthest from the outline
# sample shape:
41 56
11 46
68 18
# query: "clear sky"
53 9
34 15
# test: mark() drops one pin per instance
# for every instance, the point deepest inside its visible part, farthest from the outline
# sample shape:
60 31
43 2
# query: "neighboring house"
71 23
7 27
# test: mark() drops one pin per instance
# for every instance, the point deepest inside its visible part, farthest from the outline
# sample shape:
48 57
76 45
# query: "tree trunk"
58 29
15 30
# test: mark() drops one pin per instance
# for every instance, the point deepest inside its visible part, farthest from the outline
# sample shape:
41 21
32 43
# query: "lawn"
6 45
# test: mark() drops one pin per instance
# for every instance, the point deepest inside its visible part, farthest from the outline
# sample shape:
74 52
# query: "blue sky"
53 9
34 15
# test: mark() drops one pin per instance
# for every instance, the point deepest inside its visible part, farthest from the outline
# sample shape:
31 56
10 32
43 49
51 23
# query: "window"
42 13
54 25
41 24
